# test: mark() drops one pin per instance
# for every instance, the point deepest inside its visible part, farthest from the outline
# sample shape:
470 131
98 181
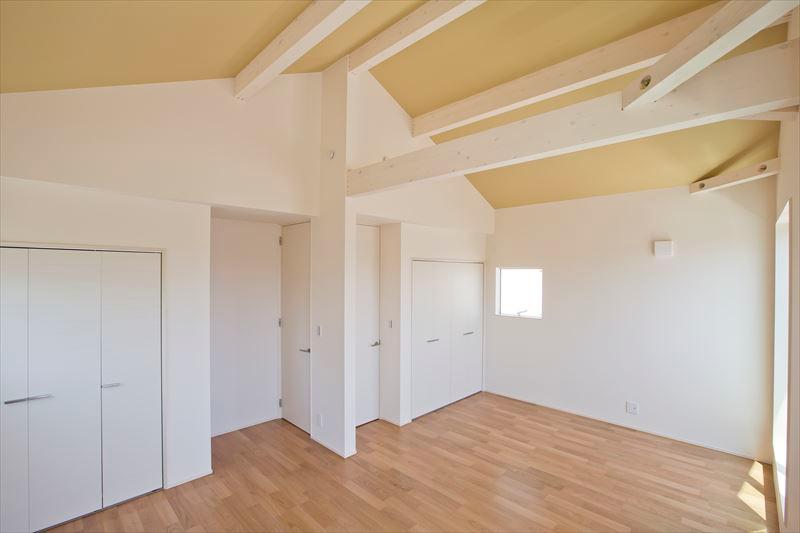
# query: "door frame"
122 249
411 323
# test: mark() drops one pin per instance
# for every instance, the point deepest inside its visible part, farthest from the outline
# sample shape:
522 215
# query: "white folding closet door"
467 334
368 325
430 332
13 389
131 374
295 332
64 370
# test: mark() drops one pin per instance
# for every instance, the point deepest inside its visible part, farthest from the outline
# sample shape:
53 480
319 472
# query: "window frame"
498 291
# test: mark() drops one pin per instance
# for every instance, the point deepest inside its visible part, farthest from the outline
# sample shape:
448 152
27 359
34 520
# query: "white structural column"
333 279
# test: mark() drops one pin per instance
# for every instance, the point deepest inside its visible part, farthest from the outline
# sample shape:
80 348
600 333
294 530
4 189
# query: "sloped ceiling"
75 43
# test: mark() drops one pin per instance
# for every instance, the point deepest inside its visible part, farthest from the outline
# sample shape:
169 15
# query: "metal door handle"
374 344
469 333
110 385
432 340
306 350
28 399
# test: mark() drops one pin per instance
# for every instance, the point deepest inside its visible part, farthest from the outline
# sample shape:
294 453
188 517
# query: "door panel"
13 386
64 362
430 364
467 335
131 374
295 333
367 326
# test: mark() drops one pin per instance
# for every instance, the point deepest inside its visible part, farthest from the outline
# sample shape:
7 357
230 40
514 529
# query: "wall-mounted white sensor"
663 249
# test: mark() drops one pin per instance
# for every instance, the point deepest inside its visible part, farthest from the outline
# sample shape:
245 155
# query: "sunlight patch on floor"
754 499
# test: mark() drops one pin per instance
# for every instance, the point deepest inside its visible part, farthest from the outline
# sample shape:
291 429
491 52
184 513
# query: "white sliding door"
430 332
446 333
467 350
295 333
63 385
368 325
13 389
131 374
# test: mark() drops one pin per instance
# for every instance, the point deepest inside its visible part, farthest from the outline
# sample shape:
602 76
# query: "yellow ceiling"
63 44
56 44
668 160
505 39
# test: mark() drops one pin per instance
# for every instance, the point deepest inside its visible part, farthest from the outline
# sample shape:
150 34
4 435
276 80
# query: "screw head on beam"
702 185
762 168
645 83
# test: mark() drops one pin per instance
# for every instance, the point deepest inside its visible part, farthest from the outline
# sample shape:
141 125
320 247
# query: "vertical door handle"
110 385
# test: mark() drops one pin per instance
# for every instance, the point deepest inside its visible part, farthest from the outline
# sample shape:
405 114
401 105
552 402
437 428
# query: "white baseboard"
187 480
333 448
634 428
247 425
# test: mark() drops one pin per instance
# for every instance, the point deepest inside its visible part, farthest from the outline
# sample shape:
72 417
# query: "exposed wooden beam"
621 57
737 177
779 115
310 27
428 18
737 21
741 86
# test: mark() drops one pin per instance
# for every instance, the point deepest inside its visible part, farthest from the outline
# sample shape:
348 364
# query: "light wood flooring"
484 463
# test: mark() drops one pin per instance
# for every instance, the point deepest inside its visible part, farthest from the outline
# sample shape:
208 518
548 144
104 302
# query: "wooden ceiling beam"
779 115
627 55
752 83
310 27
732 25
737 177
425 20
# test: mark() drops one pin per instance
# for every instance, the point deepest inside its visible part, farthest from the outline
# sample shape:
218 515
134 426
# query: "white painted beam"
779 115
737 21
737 177
425 20
752 83
310 27
621 57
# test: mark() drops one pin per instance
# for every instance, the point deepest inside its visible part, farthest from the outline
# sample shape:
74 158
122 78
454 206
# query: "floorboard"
484 463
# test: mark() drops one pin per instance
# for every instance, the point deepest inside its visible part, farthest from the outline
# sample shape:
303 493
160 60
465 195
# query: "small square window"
519 292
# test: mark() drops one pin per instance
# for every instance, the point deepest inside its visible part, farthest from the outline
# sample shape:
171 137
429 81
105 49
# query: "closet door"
131 374
63 385
467 331
13 389
430 331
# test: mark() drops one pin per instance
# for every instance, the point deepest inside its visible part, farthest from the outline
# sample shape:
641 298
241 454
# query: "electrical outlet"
632 408
319 420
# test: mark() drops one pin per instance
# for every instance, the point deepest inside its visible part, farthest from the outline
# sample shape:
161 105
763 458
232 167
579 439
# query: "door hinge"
280 240
280 402
280 322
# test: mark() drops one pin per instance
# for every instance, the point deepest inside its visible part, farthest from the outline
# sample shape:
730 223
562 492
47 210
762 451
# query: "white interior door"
131 374
430 332
63 385
295 333
14 389
367 326
467 330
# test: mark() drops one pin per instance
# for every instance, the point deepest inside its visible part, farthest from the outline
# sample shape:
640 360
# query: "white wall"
188 141
378 127
39 212
400 245
688 337
245 338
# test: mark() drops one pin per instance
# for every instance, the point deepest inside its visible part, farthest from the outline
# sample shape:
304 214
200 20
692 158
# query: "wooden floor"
485 463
